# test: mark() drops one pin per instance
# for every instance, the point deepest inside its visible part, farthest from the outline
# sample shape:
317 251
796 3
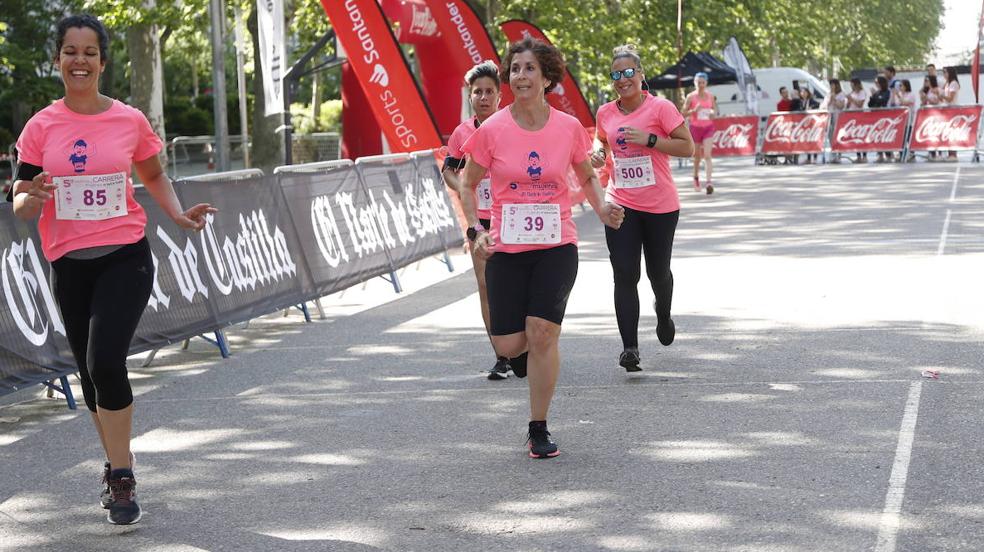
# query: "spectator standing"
905 97
857 99
930 96
880 98
806 103
834 103
785 103
951 90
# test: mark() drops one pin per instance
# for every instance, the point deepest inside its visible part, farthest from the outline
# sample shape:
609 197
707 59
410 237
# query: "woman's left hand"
635 136
612 215
194 218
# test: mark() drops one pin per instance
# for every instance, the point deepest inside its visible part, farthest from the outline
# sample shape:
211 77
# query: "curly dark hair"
551 61
82 21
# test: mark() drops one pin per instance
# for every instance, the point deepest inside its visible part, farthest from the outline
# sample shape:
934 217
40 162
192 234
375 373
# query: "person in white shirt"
949 97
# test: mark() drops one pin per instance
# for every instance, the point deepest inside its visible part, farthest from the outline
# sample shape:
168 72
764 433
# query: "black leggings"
640 232
101 301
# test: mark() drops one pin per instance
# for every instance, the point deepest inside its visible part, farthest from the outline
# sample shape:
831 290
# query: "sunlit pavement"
790 414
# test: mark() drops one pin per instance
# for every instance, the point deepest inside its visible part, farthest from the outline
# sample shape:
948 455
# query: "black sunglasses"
627 73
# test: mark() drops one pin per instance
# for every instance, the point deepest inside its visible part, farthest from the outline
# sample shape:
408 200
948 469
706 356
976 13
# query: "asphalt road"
790 414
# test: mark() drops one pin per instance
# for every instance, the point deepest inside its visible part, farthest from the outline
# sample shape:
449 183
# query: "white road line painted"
891 516
946 222
946 230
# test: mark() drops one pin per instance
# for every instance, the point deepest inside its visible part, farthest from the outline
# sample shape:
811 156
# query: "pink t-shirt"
529 177
631 184
703 109
66 143
458 138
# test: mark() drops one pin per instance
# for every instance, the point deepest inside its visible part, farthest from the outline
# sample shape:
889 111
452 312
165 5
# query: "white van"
768 80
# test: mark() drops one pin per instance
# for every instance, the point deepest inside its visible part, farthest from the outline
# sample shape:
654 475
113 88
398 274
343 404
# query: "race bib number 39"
484 194
90 197
634 172
524 223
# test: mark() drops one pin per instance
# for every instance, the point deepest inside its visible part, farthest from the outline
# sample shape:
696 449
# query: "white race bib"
90 197
530 223
484 194
705 114
634 172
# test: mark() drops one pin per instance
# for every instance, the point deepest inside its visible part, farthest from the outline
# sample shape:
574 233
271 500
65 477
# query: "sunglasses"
627 73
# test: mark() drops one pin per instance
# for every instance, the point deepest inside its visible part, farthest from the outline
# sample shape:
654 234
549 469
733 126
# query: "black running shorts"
532 283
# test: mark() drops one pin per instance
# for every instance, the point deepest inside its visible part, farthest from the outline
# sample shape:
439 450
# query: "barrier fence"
280 240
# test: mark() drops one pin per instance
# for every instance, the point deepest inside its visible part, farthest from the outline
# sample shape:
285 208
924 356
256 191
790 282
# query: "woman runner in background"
641 131
483 85
75 157
701 107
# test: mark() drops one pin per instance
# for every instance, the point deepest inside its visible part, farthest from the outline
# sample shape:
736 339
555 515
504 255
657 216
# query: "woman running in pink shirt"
74 172
641 132
701 106
531 244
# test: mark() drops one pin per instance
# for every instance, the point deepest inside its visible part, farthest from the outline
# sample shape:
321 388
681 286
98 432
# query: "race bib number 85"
90 197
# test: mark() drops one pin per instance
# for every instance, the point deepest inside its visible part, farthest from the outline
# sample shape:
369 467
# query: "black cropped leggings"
652 234
101 301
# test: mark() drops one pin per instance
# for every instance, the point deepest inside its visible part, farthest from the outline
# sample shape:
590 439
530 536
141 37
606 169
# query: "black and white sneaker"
629 359
123 507
501 369
539 441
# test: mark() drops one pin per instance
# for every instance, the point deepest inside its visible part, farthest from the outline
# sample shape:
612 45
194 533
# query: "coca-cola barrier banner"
735 136
795 132
949 128
277 241
874 130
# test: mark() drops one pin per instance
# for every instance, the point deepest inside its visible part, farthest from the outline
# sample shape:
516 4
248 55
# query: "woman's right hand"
40 190
598 158
484 246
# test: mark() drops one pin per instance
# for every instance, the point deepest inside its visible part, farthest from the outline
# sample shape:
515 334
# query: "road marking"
891 516
946 221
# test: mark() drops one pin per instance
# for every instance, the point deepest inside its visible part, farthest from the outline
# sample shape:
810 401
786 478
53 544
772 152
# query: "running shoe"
629 359
539 441
697 183
710 188
501 369
123 508
665 328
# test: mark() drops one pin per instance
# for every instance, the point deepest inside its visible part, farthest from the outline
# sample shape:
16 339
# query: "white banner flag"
270 20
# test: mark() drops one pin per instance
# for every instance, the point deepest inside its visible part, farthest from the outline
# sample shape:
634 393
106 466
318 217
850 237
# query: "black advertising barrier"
277 241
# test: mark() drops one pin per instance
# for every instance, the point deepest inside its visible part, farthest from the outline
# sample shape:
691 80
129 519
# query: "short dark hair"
781 88
928 65
551 61
485 69
82 21
890 68
906 85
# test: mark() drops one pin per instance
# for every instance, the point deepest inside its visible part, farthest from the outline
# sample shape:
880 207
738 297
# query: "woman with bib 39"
483 86
641 131
74 171
531 246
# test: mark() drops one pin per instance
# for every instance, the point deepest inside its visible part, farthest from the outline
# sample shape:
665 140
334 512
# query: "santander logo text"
943 129
882 131
394 115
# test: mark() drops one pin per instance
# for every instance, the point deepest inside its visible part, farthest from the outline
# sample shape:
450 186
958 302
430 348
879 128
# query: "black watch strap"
652 141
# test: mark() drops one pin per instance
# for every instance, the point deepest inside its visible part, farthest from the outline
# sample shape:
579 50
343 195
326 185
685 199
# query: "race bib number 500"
634 172
90 197
530 223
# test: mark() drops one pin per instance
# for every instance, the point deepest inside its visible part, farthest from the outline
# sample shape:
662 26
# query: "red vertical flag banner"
466 41
376 59
975 70
567 95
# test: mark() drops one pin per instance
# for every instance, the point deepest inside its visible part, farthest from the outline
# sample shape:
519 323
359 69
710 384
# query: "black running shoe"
501 369
665 328
629 359
540 444
123 508
518 364
105 499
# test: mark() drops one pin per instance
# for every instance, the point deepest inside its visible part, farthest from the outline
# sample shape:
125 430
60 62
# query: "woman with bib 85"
74 172
531 245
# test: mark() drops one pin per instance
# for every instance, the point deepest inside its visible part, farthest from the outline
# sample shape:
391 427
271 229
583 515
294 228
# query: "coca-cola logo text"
735 136
943 129
882 131
806 130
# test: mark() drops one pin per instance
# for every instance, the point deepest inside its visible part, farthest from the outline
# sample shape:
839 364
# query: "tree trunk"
147 75
267 150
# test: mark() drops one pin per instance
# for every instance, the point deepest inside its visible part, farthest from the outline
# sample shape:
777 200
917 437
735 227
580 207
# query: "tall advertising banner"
466 40
795 132
946 128
875 130
270 23
567 95
734 136
377 61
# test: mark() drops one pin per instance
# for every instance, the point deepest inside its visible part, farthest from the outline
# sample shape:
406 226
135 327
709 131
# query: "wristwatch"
473 231
652 141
